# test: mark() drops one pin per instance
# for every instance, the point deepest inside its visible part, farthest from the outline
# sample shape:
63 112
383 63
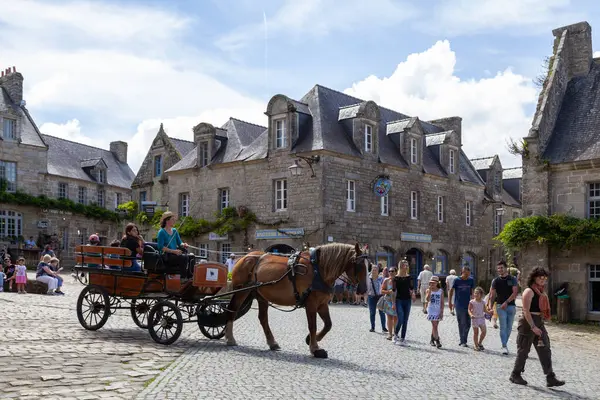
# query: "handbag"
381 303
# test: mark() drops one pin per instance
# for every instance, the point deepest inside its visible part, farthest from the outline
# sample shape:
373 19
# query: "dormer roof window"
101 176
280 134
414 151
368 138
451 161
203 154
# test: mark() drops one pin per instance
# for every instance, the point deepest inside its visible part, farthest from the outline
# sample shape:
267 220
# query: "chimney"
577 48
450 124
119 149
12 82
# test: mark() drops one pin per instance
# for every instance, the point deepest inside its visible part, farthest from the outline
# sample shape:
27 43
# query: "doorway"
283 249
415 261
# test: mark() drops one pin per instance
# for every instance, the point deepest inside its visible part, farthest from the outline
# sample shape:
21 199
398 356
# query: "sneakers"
463 345
403 342
396 339
372 330
59 292
518 379
505 350
551 381
384 330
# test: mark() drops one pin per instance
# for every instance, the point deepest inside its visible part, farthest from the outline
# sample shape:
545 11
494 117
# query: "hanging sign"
382 186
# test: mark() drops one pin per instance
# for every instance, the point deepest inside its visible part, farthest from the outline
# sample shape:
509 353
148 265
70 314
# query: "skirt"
433 317
389 307
21 279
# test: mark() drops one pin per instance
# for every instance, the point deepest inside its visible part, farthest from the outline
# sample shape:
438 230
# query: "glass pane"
595 296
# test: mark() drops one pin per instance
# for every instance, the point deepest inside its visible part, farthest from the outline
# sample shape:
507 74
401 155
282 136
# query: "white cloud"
493 109
114 68
314 18
459 17
596 54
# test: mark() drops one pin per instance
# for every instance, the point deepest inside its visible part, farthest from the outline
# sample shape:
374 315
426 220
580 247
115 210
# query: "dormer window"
368 138
9 129
414 158
101 176
203 154
451 161
280 134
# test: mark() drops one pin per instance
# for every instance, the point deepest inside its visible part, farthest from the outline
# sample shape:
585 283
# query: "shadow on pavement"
558 393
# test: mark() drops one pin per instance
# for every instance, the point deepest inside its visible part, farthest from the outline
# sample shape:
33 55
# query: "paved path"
45 354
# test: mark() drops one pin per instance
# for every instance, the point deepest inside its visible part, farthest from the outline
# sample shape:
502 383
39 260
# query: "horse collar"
318 283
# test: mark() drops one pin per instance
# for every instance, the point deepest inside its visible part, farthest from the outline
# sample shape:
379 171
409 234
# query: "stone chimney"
119 149
12 82
577 49
450 124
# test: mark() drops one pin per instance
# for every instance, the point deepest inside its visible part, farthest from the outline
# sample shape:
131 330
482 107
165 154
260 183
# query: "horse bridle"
359 262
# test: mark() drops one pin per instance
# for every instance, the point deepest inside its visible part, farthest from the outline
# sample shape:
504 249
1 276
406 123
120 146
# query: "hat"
166 215
435 279
232 255
94 238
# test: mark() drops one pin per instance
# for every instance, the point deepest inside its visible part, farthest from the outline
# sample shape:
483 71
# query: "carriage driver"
168 238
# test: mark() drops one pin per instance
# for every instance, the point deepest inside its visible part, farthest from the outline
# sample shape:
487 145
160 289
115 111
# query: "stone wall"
569 189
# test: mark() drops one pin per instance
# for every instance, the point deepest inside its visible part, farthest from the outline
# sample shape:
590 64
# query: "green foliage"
557 231
90 211
143 219
130 208
227 221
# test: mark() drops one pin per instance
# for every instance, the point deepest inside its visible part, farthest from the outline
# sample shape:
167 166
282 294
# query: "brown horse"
332 261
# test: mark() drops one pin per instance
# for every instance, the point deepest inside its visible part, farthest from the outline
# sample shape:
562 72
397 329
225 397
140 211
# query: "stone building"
561 163
310 177
38 164
151 182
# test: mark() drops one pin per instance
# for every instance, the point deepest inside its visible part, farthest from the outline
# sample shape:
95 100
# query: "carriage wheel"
165 322
211 332
93 307
140 309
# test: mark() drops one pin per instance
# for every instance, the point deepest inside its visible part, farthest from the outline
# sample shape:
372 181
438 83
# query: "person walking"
531 329
435 309
462 293
504 292
423 283
374 282
477 309
405 296
389 303
450 283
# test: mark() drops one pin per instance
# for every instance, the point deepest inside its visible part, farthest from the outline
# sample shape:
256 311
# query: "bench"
98 257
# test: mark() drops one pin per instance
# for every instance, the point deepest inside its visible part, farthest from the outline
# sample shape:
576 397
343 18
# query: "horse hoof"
274 347
320 353
307 340
231 343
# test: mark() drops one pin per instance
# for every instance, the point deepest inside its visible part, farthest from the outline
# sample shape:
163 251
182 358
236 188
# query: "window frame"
440 208
468 212
17 223
82 195
101 176
118 199
351 195
100 195
225 253
203 154
280 141
414 151
497 222
281 194
593 199
368 138
203 250
184 204
158 165
414 205
384 205
64 187
595 268
13 130
224 202
145 193
9 168
451 161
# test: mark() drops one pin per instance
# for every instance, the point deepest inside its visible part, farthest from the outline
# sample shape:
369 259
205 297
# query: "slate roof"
400 126
65 157
30 134
482 163
509 200
512 173
576 135
182 146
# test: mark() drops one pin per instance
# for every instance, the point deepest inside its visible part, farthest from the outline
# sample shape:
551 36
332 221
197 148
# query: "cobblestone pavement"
45 353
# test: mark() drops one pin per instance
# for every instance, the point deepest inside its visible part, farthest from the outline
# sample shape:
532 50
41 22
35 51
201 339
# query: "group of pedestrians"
391 294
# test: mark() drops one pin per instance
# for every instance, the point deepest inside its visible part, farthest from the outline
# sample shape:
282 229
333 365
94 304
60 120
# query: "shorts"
478 322
423 295
21 279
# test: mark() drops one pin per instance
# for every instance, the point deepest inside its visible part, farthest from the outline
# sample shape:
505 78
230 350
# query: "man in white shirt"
422 283
450 283
230 262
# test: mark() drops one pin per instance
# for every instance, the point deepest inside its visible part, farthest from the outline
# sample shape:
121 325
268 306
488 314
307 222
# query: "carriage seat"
103 256
163 264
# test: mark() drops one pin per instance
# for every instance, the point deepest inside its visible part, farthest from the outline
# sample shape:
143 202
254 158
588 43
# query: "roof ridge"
181 140
505 169
249 123
81 144
351 105
480 158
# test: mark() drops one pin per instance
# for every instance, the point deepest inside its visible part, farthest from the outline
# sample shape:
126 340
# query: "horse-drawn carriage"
168 293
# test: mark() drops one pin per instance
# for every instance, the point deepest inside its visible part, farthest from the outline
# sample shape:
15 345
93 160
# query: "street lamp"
500 211
296 169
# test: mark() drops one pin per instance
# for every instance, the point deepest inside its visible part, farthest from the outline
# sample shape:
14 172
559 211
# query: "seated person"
30 243
114 243
132 241
46 275
56 269
169 242
9 271
94 240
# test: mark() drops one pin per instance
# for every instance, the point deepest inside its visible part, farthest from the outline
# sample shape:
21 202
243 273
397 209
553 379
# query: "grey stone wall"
119 149
578 47
12 81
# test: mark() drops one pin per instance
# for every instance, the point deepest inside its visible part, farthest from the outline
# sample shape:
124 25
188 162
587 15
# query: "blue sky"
97 71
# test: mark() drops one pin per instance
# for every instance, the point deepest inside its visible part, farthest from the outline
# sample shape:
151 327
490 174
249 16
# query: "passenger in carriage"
94 240
168 238
133 241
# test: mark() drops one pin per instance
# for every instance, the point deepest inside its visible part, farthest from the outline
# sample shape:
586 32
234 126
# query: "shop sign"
286 233
214 236
415 237
382 186
42 224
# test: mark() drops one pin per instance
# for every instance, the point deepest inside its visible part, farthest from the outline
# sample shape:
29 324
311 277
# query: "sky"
99 71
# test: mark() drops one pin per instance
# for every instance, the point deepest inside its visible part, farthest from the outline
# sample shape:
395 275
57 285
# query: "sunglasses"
393 270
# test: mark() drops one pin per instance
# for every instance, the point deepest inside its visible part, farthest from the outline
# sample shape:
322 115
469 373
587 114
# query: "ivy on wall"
558 231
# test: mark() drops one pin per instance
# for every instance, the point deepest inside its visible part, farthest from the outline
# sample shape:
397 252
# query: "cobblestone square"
46 354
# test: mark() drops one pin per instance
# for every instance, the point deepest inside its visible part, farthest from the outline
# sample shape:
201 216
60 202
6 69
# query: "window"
8 173
10 129
82 195
83 237
281 195
203 250
413 151
351 196
63 190
468 213
497 222
203 154
440 209
451 161
142 197
225 251
157 165
414 205
223 199
280 136
497 179
101 176
594 200
100 198
368 138
385 205
515 215
184 204
11 223
595 288
118 199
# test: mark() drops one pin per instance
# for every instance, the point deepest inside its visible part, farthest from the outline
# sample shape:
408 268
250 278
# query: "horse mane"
334 259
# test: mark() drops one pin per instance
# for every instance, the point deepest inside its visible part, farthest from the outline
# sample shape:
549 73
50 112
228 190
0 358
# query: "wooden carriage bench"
104 257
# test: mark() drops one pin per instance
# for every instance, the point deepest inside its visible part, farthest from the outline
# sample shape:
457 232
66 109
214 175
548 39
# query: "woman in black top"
133 241
405 294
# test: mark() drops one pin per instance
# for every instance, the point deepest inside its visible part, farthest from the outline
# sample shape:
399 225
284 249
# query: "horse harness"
317 284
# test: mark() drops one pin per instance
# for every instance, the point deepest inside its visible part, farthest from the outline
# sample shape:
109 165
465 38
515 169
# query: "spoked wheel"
93 307
210 317
140 308
165 322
